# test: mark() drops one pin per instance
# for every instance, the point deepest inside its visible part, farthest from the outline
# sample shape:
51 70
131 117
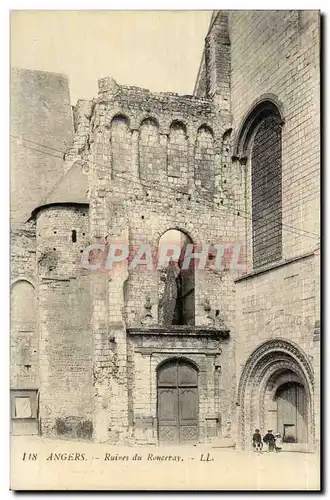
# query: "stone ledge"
274 265
183 351
180 331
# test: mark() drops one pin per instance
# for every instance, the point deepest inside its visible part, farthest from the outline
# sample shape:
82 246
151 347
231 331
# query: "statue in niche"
168 303
213 317
147 318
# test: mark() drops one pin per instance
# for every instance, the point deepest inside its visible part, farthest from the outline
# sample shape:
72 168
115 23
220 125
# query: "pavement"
38 463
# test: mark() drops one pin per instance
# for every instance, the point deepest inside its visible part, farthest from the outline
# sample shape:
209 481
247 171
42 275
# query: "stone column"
135 154
100 182
163 140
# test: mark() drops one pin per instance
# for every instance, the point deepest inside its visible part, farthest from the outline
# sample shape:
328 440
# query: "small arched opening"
23 307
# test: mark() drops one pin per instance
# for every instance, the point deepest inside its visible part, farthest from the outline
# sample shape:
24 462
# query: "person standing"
278 442
269 439
257 441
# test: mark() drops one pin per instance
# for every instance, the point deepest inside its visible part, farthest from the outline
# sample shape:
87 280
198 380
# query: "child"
256 441
269 439
278 442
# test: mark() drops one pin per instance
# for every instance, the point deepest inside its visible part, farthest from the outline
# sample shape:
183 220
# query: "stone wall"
281 304
41 130
157 162
277 53
66 384
152 164
24 357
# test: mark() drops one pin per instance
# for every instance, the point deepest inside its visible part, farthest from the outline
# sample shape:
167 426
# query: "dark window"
74 236
266 164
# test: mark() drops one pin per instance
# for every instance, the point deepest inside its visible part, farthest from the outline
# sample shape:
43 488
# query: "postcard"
165 250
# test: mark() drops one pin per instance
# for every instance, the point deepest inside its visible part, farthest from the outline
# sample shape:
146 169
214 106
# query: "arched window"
150 152
204 158
23 307
120 137
176 284
260 144
177 162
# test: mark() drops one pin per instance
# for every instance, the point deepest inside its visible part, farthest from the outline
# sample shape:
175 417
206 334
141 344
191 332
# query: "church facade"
153 354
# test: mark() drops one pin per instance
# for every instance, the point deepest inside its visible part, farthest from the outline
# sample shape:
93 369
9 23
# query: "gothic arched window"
260 145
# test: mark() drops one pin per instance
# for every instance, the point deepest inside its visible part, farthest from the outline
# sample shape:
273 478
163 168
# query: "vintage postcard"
165 250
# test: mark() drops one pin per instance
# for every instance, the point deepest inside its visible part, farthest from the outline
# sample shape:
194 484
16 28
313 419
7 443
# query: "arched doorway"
275 392
177 402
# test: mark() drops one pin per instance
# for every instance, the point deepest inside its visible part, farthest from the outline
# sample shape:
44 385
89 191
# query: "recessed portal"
276 392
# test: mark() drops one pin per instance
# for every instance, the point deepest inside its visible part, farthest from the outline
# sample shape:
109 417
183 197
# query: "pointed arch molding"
266 105
277 348
267 361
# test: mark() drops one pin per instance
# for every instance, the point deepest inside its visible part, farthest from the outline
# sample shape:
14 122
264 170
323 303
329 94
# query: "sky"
158 50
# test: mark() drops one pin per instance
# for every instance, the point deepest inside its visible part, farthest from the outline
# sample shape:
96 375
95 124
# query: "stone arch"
206 128
120 140
266 105
18 280
177 122
176 228
120 116
152 119
264 372
226 136
184 359
282 379
191 233
178 125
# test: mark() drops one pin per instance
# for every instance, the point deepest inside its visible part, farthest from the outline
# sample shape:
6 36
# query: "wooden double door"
177 387
292 412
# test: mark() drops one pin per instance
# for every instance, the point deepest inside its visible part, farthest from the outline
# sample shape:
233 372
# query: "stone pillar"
317 353
217 59
118 405
100 182
135 154
191 161
163 140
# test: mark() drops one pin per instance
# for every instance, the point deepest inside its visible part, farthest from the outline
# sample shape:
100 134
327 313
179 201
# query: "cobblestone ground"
56 464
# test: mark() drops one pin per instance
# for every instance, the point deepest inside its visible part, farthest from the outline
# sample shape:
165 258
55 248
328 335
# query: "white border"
324 6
